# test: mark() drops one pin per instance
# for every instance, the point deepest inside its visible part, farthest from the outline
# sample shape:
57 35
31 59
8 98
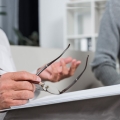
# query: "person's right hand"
16 88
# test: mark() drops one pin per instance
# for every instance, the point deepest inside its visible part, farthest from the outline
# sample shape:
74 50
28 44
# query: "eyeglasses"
53 90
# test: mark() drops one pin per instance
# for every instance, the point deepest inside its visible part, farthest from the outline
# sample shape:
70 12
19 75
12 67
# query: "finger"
17 85
22 95
54 75
16 95
73 67
10 102
78 63
58 64
50 68
66 60
18 102
23 85
23 76
64 68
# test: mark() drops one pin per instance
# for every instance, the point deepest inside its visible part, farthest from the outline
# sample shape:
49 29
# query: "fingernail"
38 79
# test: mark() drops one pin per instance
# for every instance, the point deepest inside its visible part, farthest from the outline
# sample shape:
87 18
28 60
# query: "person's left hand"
59 70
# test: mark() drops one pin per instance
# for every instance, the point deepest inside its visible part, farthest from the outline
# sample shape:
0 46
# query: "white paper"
72 96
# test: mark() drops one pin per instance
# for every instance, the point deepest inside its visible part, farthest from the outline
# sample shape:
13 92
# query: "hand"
59 70
16 88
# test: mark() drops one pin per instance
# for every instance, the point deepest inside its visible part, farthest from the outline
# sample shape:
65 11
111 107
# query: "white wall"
51 23
0 15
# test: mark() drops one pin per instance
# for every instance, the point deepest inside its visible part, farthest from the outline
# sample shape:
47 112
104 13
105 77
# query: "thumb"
25 76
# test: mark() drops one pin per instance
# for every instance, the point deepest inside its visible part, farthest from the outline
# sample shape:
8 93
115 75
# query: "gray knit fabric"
108 45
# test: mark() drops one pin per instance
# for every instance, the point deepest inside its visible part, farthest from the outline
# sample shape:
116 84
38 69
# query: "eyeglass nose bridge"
46 87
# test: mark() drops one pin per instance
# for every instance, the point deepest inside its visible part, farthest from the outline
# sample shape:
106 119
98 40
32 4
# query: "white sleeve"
2 72
6 61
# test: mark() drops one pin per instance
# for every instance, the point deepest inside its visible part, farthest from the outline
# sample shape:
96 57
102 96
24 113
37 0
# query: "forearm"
107 74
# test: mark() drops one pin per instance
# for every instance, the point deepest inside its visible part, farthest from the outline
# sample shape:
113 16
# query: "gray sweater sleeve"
108 45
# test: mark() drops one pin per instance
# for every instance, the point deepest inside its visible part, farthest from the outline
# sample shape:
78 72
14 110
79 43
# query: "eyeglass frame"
47 65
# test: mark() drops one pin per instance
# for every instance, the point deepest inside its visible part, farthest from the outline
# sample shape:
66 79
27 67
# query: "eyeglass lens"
54 90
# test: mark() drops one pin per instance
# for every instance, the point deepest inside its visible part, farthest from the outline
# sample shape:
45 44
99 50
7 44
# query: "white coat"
6 60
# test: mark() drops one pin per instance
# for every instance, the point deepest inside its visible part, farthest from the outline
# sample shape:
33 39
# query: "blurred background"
52 23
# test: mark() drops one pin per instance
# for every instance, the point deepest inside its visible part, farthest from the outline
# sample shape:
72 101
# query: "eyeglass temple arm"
47 65
76 78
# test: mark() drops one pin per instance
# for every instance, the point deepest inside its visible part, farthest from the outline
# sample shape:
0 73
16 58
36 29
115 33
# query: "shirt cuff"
2 72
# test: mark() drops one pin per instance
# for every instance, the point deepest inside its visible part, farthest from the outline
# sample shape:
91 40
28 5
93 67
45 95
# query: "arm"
108 45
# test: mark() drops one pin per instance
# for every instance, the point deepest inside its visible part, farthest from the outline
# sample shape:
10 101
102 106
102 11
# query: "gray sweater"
108 45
